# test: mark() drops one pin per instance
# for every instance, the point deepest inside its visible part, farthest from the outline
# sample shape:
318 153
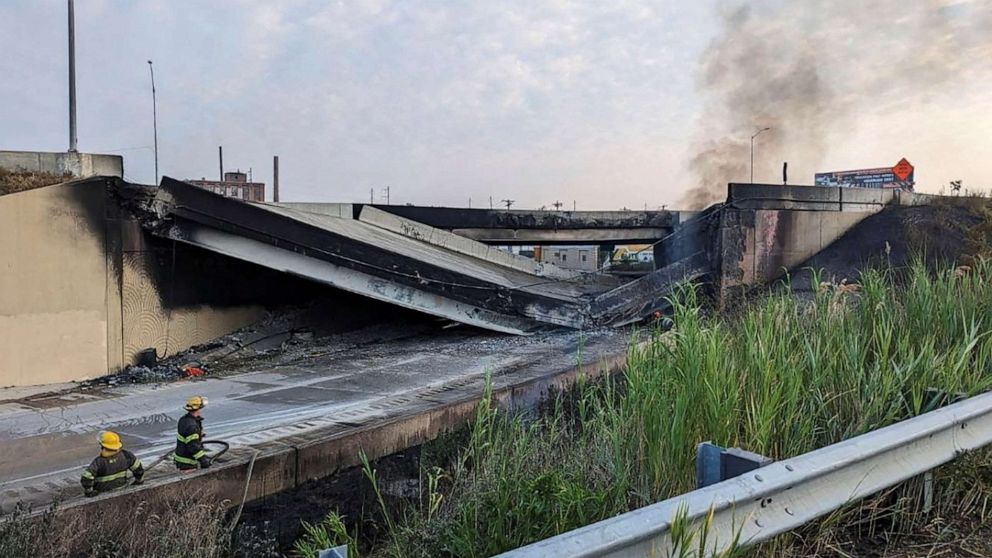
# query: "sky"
601 104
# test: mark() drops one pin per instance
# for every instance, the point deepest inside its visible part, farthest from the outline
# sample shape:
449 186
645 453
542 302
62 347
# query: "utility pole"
220 155
490 202
573 205
371 195
470 203
387 195
155 119
557 205
72 79
508 203
752 151
275 178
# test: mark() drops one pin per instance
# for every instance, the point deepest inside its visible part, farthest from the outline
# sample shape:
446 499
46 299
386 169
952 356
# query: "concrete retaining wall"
766 229
54 303
759 246
78 297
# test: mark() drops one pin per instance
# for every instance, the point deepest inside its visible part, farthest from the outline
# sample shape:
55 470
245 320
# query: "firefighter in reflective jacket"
109 471
189 440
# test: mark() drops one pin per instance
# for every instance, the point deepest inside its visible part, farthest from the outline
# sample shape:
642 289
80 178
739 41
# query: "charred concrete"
463 285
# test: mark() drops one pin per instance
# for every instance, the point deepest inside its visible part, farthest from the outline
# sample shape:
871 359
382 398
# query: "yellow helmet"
196 403
110 440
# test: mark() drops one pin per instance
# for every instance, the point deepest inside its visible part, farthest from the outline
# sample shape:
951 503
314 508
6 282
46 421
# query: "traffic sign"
903 170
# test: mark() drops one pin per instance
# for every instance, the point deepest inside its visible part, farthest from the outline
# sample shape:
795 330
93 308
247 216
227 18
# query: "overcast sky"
604 103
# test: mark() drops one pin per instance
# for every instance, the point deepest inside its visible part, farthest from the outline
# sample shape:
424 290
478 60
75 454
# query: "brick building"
234 185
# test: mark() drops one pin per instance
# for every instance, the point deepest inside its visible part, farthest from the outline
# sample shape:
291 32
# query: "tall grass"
784 377
790 376
189 521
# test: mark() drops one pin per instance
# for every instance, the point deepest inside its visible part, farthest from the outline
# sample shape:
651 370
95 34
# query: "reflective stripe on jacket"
189 442
109 471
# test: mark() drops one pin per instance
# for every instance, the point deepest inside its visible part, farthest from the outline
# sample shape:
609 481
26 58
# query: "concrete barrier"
78 165
809 198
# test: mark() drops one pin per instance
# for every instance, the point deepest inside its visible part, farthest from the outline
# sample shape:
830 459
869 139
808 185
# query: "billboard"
898 176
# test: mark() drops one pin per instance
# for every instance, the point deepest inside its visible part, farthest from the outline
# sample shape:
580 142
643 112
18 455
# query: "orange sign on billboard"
899 176
903 170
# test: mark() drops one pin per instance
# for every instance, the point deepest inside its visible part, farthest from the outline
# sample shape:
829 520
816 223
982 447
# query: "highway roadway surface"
47 438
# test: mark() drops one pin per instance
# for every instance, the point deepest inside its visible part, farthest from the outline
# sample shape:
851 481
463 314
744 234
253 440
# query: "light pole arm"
151 70
754 135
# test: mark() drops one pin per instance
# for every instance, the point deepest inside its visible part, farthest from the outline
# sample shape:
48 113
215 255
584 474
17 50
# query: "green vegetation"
782 378
20 181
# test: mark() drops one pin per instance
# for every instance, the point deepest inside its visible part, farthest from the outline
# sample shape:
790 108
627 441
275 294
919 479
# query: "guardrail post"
715 464
336 552
708 469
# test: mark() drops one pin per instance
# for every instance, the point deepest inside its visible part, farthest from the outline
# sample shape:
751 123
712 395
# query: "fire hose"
224 446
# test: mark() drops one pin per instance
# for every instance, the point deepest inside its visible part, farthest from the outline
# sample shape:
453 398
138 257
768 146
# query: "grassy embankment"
782 378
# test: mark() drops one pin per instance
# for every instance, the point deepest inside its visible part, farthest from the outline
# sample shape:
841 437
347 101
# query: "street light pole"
752 150
155 119
72 79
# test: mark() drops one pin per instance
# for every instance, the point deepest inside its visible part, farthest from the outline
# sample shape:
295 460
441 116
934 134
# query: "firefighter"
109 471
189 439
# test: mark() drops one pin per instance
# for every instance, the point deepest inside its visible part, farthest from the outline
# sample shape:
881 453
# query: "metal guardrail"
786 494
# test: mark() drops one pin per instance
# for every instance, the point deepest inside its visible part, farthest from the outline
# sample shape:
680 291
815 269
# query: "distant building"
640 253
582 258
234 185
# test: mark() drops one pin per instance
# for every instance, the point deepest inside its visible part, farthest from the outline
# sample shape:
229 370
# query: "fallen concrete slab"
451 241
643 297
458 284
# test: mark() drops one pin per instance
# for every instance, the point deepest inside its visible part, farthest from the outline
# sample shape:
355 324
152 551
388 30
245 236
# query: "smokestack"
72 79
220 155
275 178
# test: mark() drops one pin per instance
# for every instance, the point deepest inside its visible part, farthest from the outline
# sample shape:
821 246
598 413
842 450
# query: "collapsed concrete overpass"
393 259
117 268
